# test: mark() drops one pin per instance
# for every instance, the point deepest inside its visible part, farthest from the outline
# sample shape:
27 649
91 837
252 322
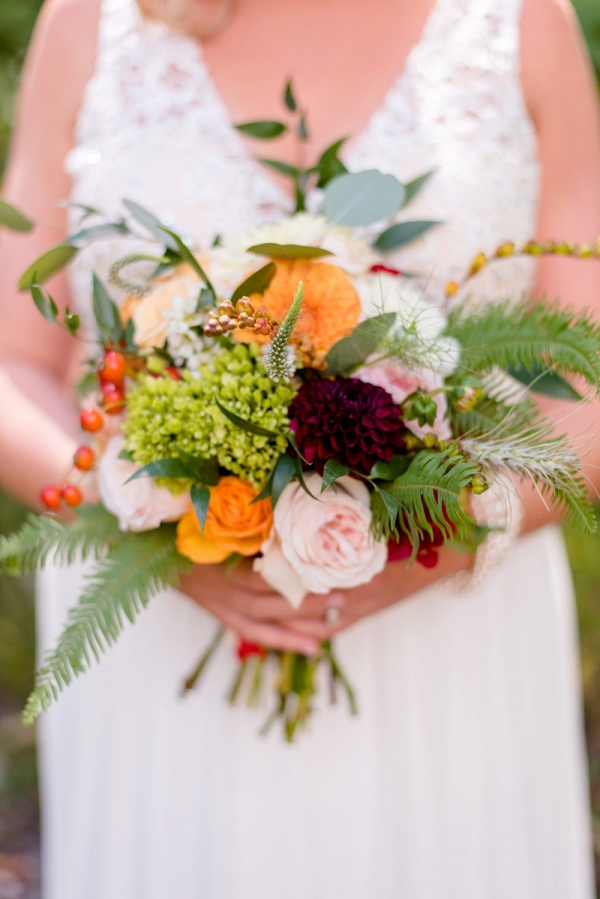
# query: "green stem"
256 682
194 677
339 674
237 683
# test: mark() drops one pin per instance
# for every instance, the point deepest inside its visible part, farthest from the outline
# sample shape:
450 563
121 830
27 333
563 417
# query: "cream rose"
139 505
316 547
400 383
151 323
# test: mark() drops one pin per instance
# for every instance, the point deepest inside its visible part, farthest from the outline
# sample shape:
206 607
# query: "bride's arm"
38 420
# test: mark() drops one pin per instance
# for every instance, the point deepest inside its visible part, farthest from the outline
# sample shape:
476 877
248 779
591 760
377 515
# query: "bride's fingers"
275 606
321 630
264 633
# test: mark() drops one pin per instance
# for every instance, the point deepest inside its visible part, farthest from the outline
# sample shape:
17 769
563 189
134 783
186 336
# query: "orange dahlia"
330 310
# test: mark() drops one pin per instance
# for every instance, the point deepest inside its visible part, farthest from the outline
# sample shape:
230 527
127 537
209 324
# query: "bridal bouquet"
287 396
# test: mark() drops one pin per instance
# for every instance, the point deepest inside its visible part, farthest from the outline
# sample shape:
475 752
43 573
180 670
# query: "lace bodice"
154 128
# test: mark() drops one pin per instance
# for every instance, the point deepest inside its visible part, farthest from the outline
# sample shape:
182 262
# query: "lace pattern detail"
154 128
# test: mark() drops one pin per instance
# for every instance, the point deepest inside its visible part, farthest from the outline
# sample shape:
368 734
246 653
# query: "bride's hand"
395 583
243 602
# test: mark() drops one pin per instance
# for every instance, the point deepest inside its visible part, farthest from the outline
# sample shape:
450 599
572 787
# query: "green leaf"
188 256
350 352
389 471
282 167
105 312
44 538
136 568
98 232
11 218
362 198
541 336
545 382
72 322
205 299
47 264
288 96
130 336
402 233
151 223
45 304
392 507
294 444
330 165
256 283
162 468
288 251
332 472
204 471
303 134
284 471
126 456
412 188
266 129
244 425
300 476
87 383
200 497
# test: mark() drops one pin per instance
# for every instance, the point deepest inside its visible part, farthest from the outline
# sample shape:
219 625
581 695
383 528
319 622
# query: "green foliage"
257 282
521 335
48 264
135 569
362 198
13 219
279 358
43 538
350 352
288 251
589 17
402 233
494 415
265 129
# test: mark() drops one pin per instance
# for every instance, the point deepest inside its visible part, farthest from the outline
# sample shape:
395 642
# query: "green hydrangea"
162 412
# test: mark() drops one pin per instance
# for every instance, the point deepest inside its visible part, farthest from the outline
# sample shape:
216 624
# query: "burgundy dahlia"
346 419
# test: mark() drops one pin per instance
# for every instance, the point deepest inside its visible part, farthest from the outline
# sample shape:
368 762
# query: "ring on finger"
332 615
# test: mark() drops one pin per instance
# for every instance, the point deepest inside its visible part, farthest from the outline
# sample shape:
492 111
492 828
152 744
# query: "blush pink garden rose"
400 383
139 505
316 547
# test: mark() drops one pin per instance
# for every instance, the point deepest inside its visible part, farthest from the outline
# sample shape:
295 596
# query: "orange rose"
330 309
232 524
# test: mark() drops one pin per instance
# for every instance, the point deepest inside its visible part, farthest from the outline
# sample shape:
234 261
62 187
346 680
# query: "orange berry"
72 495
50 497
84 458
172 373
91 420
114 399
114 367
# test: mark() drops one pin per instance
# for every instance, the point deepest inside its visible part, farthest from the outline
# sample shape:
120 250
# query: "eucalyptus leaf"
203 471
256 283
162 468
244 425
200 497
289 97
48 264
412 188
402 233
332 472
105 312
330 165
362 198
44 304
350 352
288 251
266 129
389 471
11 218
282 167
151 223
130 336
98 232
544 382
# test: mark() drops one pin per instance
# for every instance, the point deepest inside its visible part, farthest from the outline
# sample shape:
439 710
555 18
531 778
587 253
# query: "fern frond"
136 568
43 537
429 494
491 416
541 335
550 464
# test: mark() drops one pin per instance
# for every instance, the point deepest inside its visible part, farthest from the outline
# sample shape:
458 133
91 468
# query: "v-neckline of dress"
359 140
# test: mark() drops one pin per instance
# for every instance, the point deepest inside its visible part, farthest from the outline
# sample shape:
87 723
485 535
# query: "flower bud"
451 289
430 440
156 365
479 262
505 249
244 305
226 308
466 398
479 485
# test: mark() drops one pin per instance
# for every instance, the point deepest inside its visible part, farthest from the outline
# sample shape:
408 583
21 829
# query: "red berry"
91 420
172 373
246 649
114 399
50 496
84 458
114 367
72 495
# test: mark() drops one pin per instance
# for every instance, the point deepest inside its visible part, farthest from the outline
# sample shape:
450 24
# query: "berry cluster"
53 497
243 315
112 381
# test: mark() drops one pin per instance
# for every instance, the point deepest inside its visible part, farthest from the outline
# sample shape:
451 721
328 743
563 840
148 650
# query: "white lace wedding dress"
463 776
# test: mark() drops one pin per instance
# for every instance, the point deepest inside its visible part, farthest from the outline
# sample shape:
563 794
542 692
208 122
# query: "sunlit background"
18 787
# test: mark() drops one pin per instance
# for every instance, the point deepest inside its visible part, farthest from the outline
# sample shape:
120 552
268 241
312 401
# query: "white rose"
139 505
316 547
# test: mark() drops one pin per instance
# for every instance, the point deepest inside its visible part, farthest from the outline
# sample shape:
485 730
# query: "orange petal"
194 545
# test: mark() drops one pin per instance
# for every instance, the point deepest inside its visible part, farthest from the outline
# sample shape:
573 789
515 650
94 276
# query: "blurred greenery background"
18 799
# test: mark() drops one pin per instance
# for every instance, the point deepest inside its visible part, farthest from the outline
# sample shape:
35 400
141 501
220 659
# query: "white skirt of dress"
463 776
